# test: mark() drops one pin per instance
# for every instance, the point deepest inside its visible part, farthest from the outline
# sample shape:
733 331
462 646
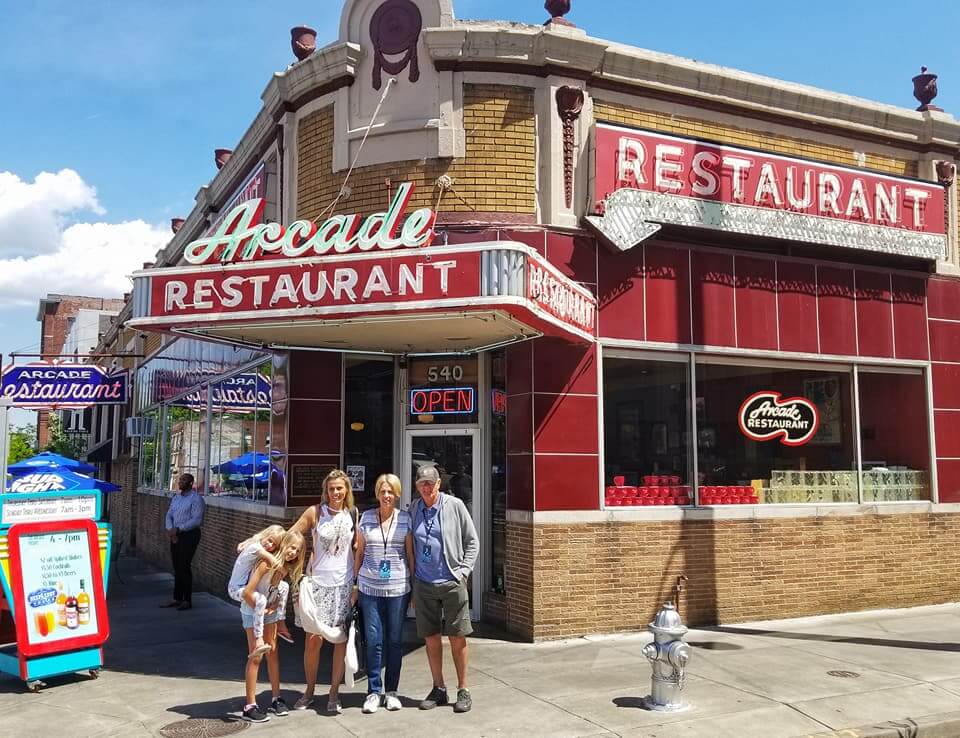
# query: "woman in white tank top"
328 581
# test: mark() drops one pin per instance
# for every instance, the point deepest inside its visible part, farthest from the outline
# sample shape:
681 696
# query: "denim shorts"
246 615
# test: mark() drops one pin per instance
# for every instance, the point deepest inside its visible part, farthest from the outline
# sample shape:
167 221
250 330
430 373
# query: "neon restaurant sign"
45 385
241 236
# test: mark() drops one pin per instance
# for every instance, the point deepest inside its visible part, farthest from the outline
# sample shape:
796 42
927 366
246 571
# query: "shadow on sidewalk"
856 640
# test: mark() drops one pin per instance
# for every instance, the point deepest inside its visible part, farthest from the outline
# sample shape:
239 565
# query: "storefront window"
149 451
186 453
443 391
759 439
646 440
240 463
498 470
368 424
894 436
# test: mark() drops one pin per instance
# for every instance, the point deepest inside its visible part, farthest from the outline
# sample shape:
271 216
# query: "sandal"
303 703
259 651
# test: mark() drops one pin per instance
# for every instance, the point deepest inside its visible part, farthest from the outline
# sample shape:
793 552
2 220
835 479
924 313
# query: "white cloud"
40 253
33 214
93 259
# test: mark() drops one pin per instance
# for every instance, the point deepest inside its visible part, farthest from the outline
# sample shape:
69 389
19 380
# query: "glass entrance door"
456 454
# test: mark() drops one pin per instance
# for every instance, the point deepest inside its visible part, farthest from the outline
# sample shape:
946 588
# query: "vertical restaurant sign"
57 585
766 416
50 385
681 181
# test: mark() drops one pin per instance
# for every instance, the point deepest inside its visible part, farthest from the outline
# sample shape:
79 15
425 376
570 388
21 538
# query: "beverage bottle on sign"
83 606
73 621
61 605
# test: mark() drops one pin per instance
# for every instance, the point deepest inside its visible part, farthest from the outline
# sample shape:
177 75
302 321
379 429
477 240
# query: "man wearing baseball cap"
445 551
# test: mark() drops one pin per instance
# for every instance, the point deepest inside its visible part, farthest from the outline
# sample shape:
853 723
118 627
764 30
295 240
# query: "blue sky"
133 97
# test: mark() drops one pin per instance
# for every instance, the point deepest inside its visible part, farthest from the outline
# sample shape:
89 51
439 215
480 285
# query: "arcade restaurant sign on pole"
50 386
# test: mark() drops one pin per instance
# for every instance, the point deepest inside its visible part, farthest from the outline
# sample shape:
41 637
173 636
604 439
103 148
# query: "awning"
432 300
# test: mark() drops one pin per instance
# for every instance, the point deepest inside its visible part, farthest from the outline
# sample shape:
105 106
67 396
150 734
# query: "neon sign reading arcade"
241 237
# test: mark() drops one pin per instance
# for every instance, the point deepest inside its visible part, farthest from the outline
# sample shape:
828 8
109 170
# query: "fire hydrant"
668 655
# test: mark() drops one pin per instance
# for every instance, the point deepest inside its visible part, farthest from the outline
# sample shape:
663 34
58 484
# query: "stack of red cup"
620 495
728 495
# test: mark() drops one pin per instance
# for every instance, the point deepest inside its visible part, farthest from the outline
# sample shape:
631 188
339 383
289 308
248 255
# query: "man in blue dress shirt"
184 518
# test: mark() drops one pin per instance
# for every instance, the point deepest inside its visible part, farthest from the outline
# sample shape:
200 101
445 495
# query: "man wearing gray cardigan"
445 550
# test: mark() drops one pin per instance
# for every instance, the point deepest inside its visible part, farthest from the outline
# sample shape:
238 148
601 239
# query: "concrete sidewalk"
788 678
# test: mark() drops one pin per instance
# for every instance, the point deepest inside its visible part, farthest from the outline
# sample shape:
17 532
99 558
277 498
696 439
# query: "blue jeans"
383 627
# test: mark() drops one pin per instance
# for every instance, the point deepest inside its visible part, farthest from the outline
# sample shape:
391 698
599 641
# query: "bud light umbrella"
49 461
57 480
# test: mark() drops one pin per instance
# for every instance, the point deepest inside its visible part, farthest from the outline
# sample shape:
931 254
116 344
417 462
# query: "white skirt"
323 610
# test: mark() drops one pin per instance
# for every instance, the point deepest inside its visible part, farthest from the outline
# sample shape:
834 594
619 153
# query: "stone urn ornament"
303 40
558 9
925 89
395 31
221 157
176 224
946 172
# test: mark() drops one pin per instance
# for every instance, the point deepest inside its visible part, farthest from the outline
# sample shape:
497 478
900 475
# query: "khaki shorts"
442 608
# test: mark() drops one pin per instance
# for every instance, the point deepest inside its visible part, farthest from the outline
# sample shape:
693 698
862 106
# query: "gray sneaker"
437 697
464 701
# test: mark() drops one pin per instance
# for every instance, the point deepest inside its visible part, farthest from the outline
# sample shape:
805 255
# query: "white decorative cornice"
482 43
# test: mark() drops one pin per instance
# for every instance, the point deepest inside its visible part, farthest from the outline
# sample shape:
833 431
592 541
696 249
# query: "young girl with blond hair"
256 549
267 580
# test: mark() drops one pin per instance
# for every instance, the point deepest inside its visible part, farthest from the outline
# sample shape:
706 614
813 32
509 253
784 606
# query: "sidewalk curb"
944 725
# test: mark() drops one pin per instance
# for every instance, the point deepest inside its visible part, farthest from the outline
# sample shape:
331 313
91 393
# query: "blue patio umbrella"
247 464
57 480
47 460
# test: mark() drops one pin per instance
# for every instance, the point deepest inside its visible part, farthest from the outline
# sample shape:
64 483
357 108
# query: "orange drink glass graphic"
46 622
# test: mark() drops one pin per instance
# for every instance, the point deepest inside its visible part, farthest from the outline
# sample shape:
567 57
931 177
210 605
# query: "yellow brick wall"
607 577
498 174
682 126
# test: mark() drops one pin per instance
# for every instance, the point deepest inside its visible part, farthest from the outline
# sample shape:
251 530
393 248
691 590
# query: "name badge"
384 569
426 555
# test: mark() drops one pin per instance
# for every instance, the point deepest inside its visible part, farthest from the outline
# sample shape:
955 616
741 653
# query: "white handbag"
351 660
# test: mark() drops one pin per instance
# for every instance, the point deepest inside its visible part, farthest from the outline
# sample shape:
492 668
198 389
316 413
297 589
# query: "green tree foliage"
22 443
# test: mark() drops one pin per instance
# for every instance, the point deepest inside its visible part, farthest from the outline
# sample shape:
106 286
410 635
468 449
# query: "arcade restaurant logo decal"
766 416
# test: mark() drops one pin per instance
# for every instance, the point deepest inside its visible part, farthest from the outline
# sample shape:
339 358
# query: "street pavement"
891 673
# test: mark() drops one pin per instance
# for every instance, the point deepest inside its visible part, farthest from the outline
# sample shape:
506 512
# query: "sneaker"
334 708
279 707
393 702
253 714
436 698
371 704
303 703
464 701
285 635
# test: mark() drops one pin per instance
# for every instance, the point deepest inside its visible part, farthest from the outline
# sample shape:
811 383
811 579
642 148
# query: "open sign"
442 401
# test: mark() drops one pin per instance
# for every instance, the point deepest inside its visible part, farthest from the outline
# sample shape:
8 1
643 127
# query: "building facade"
71 325
650 317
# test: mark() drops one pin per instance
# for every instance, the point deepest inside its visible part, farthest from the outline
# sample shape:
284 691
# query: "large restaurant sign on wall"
767 416
646 179
254 274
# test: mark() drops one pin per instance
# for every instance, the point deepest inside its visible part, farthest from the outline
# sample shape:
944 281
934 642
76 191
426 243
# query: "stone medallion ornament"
395 30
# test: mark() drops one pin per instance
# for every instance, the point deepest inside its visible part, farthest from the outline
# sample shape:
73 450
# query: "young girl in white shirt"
256 549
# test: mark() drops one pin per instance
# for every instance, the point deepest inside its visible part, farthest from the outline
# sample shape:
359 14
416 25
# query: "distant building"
71 324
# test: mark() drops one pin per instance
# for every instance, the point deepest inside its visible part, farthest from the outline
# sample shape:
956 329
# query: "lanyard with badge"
385 562
426 554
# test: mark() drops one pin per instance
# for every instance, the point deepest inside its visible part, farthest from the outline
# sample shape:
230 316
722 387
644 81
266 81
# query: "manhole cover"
203 728
843 674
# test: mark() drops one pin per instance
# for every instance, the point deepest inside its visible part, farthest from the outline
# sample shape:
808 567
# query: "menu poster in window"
825 394
57 586
358 477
